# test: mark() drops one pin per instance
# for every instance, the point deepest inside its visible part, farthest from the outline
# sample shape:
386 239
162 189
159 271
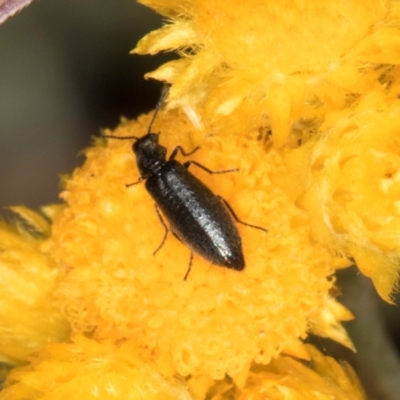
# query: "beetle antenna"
164 93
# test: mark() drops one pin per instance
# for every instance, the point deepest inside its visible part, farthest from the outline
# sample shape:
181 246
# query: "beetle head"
150 155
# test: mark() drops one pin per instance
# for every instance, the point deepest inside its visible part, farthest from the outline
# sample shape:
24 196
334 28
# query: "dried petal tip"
10 7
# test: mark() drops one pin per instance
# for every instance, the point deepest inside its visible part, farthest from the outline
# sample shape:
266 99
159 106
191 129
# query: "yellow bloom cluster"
319 76
87 369
302 97
217 321
280 61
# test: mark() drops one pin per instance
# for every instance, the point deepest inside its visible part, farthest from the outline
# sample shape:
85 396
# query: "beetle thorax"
150 155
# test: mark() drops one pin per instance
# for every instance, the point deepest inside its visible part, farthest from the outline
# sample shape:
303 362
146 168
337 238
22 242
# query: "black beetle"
199 218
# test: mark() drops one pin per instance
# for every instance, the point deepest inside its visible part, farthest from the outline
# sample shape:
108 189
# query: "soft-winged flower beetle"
200 219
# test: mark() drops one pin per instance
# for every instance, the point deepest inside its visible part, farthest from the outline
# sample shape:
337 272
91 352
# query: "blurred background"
65 74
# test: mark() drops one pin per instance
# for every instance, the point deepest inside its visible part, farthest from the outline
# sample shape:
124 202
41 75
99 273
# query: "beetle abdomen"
196 215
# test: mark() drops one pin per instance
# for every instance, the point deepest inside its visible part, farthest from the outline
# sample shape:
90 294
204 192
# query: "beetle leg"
190 266
190 259
179 148
224 171
237 219
135 183
165 231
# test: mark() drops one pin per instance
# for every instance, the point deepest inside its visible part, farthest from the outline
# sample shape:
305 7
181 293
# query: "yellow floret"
219 320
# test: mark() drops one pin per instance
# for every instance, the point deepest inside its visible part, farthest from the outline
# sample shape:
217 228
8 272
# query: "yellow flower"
249 62
87 369
29 314
350 185
302 97
219 320
302 70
